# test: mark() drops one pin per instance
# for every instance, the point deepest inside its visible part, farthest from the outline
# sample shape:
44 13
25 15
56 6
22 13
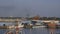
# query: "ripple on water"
2 31
35 31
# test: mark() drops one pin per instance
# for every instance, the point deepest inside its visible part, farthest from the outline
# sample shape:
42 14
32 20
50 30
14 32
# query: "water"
36 31
2 31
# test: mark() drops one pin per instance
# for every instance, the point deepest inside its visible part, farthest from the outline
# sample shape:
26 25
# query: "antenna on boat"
27 14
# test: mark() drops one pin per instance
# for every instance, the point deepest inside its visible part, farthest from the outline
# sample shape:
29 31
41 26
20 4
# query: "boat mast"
27 13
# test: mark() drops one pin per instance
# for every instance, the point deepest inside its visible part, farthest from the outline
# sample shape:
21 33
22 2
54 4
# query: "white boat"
58 25
19 26
38 26
11 27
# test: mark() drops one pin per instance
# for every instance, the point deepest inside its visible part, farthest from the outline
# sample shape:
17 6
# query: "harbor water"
35 31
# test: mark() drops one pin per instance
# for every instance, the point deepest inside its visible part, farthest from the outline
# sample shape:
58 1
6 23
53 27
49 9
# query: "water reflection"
52 30
35 31
42 31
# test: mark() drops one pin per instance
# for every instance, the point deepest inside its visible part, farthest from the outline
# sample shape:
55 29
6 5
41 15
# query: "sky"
20 8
